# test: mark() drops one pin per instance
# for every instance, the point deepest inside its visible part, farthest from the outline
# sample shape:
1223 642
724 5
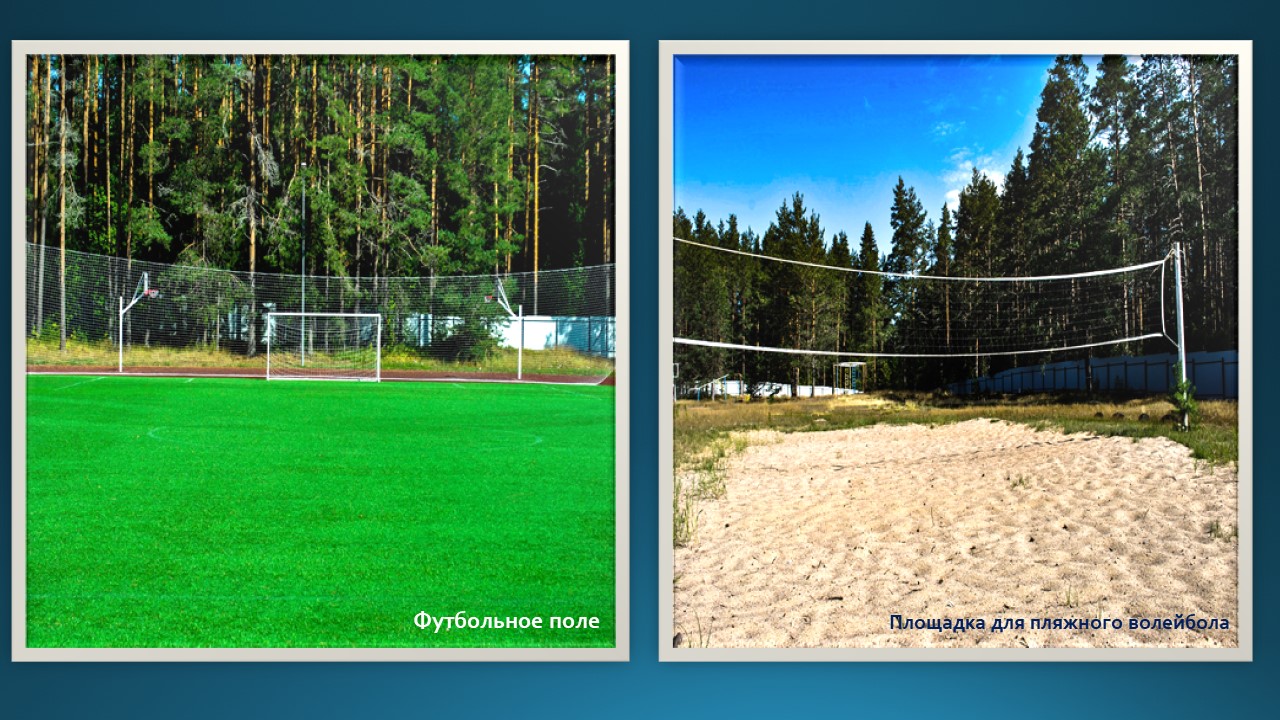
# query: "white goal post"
324 346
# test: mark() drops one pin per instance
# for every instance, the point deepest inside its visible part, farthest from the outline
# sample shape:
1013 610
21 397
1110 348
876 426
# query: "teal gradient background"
643 687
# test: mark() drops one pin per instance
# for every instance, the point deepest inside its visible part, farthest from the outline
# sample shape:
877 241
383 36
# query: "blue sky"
751 130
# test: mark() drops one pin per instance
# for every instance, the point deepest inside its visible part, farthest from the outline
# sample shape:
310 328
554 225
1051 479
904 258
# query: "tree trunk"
43 196
1195 136
511 148
606 199
359 113
84 122
251 202
586 148
34 141
266 102
128 218
151 136
106 161
62 202
296 130
537 131
315 73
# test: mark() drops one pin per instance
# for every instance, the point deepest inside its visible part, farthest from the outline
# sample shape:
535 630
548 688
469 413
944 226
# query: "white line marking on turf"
158 434
591 396
590 381
82 382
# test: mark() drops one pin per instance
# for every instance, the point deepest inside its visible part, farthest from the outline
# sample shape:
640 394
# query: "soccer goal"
324 346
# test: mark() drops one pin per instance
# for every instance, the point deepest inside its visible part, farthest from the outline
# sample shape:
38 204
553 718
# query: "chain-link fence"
209 317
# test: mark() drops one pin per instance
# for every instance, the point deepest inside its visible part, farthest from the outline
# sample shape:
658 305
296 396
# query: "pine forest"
411 166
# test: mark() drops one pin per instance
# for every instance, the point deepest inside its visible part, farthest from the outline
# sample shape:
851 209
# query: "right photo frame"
956 351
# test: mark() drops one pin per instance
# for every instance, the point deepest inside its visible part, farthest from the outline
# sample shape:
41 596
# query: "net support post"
1182 345
120 330
377 357
520 349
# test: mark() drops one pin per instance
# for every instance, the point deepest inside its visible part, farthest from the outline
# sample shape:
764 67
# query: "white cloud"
959 156
962 161
944 128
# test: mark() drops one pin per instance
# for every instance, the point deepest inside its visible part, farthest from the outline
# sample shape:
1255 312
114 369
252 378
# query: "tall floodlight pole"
304 264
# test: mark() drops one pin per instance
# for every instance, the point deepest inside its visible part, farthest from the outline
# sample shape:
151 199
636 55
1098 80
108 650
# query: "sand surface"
821 536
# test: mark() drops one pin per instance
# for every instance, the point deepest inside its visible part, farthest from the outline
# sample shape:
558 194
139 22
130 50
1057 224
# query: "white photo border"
620 50
669 50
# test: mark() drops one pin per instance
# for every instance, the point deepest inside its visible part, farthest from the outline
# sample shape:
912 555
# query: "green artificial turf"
173 512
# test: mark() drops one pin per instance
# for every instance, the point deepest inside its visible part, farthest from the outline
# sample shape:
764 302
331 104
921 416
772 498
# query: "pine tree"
802 313
1059 167
841 287
1114 106
907 256
866 303
940 295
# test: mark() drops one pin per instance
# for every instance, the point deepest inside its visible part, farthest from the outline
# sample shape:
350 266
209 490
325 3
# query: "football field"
214 512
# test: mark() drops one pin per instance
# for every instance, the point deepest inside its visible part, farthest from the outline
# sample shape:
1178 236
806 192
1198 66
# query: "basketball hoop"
143 291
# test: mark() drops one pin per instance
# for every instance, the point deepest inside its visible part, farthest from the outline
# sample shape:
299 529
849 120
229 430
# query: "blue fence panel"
1214 375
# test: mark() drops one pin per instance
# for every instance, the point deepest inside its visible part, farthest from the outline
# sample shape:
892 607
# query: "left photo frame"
431 239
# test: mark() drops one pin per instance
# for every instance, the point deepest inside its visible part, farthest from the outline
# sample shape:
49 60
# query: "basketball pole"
146 290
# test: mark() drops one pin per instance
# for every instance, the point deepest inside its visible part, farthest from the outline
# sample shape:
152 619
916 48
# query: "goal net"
324 346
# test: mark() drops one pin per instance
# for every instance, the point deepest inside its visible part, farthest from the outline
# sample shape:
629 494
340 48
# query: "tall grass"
699 476
557 361
104 353
1214 438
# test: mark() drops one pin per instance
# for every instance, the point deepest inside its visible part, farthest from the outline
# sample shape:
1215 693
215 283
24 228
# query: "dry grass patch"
104 353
